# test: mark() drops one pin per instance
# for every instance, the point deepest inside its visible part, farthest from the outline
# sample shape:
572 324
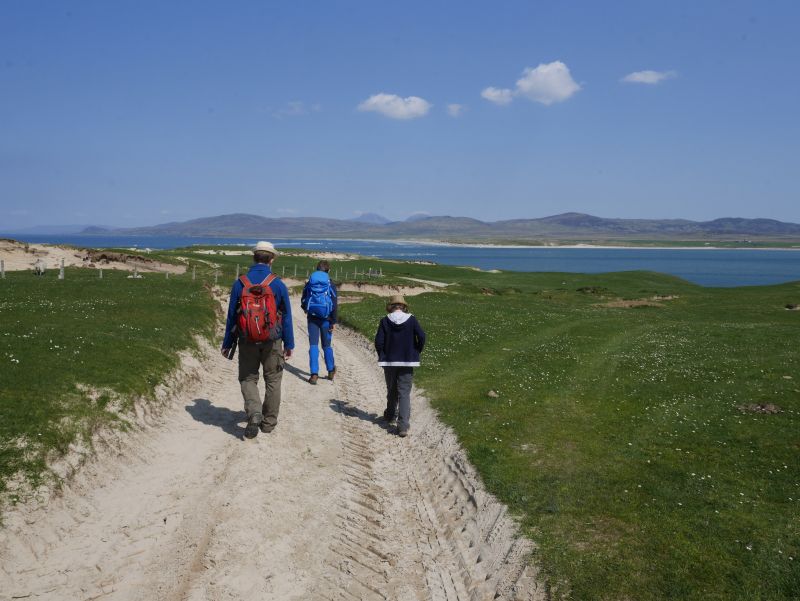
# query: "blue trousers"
320 328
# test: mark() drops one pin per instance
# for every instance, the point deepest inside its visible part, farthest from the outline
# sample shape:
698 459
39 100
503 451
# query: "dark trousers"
398 395
267 356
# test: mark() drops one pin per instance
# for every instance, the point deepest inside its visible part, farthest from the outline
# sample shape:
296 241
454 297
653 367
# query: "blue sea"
707 266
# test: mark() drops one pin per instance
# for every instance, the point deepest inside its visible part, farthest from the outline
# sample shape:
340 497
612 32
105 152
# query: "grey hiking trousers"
398 395
268 356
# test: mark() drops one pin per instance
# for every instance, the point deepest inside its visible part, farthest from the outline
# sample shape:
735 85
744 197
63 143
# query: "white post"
237 271
61 271
101 274
283 270
295 270
166 273
194 272
2 269
135 272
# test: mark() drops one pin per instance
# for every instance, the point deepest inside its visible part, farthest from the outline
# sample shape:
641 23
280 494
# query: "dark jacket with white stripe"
399 340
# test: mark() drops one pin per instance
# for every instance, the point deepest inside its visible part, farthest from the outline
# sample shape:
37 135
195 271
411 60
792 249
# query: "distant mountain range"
564 227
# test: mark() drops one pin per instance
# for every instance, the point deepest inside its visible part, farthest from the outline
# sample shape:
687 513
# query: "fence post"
283 270
237 271
194 272
295 270
166 273
216 274
101 274
2 269
135 272
61 271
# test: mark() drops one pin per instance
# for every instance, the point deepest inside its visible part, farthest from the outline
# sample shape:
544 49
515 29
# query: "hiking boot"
402 432
251 430
332 374
266 428
313 379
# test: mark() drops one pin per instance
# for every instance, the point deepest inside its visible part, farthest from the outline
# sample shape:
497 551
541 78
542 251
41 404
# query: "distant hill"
51 230
418 216
371 218
564 227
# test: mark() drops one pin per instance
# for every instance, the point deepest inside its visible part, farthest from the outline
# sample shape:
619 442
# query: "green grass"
617 436
68 348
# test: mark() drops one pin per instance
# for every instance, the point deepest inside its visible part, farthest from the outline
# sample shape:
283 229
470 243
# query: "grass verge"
68 346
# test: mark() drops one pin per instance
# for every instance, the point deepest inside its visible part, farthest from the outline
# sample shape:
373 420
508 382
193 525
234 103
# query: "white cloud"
455 110
395 107
547 84
497 95
648 77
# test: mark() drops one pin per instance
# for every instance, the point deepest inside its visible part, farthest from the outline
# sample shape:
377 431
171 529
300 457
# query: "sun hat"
397 299
265 246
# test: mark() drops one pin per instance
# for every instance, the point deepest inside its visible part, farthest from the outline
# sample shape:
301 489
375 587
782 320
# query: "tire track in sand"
415 522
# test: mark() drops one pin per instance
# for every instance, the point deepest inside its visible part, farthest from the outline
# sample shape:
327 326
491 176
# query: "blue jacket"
334 294
399 340
258 272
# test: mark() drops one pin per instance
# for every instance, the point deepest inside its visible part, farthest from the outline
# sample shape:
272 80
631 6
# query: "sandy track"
328 506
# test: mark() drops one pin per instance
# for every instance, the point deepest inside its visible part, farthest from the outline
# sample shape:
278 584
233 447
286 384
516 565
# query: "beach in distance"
706 266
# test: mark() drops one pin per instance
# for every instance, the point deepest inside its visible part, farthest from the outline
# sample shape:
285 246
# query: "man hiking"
319 301
399 342
260 320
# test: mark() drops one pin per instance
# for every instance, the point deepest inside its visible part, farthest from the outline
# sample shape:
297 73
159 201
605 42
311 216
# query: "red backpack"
259 320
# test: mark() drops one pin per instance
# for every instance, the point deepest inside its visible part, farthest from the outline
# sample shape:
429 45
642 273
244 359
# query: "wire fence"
217 272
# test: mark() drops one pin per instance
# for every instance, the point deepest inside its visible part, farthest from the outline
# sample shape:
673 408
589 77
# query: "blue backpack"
320 297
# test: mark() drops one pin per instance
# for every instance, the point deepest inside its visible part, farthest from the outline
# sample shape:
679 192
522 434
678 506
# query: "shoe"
313 379
266 429
332 374
402 432
251 430
389 420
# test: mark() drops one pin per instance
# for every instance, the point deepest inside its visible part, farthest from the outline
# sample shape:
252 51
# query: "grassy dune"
67 347
623 432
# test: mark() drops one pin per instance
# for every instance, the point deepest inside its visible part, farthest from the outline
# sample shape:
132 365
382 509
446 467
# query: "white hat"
266 246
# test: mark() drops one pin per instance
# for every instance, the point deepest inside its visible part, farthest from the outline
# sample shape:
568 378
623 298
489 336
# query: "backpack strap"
245 281
269 279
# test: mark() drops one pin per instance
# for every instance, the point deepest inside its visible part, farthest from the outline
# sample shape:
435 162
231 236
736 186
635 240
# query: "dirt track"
328 506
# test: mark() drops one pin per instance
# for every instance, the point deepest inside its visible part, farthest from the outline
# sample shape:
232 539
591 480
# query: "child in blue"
319 302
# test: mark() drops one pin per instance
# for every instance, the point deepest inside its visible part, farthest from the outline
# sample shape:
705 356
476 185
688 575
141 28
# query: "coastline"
552 246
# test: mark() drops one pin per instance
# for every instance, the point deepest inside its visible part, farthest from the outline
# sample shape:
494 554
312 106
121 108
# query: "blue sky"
136 113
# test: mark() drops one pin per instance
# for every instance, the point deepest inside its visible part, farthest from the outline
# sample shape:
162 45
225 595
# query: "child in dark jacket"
399 341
